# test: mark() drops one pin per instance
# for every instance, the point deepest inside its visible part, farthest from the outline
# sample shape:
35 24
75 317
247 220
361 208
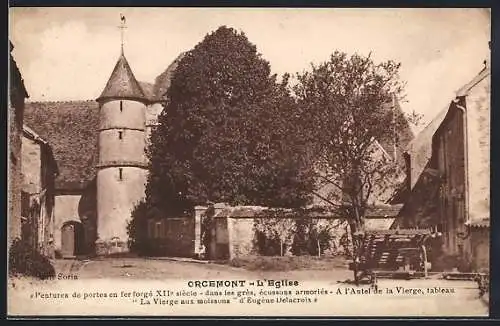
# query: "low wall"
242 236
172 236
237 236
235 233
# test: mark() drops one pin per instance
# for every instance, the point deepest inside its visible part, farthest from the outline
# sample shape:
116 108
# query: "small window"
120 135
121 106
120 174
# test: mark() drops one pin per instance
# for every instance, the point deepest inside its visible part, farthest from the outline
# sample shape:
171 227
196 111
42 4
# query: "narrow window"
121 106
120 135
120 174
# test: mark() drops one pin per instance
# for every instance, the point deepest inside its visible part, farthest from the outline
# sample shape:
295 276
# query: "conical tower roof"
122 83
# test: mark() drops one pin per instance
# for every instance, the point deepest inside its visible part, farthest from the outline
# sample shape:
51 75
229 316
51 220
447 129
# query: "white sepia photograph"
248 162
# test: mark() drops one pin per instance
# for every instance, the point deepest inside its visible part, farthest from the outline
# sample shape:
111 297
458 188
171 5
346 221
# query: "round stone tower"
122 173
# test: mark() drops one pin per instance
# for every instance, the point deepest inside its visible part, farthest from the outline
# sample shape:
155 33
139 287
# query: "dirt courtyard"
140 286
164 268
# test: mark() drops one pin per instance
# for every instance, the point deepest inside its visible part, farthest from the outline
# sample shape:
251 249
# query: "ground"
138 276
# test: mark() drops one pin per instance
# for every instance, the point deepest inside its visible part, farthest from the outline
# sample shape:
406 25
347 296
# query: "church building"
99 146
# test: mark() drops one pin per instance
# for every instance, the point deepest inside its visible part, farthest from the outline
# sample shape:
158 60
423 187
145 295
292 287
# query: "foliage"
414 118
266 246
320 234
301 240
278 227
228 132
137 229
26 260
345 105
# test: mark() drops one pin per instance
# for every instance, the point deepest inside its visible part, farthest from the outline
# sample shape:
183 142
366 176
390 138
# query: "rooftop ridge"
122 83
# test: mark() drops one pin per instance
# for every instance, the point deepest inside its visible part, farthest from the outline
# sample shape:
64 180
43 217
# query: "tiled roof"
71 129
148 90
162 82
122 82
31 134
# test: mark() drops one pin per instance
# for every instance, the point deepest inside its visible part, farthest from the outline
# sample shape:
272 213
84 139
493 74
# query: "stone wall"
478 148
242 235
116 198
14 172
172 236
122 175
38 178
65 210
17 96
480 243
128 148
236 234
131 114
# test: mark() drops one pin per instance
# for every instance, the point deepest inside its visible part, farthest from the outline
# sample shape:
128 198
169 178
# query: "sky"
69 53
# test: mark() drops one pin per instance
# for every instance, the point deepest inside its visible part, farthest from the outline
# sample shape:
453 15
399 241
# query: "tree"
320 230
225 134
277 226
137 229
347 112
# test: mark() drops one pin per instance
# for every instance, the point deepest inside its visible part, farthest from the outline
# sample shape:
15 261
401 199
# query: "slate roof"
148 90
71 128
122 82
420 149
163 81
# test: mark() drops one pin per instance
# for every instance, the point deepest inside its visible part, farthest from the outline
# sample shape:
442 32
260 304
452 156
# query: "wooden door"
68 240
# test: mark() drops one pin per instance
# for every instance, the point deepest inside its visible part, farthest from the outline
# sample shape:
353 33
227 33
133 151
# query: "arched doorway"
71 239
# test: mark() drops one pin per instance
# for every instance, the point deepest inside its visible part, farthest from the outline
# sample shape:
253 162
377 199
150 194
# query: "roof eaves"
30 133
33 135
464 90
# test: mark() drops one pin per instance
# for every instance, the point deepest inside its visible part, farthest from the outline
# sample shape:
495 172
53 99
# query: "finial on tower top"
122 27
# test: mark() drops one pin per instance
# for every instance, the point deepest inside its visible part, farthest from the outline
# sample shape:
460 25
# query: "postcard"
265 162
